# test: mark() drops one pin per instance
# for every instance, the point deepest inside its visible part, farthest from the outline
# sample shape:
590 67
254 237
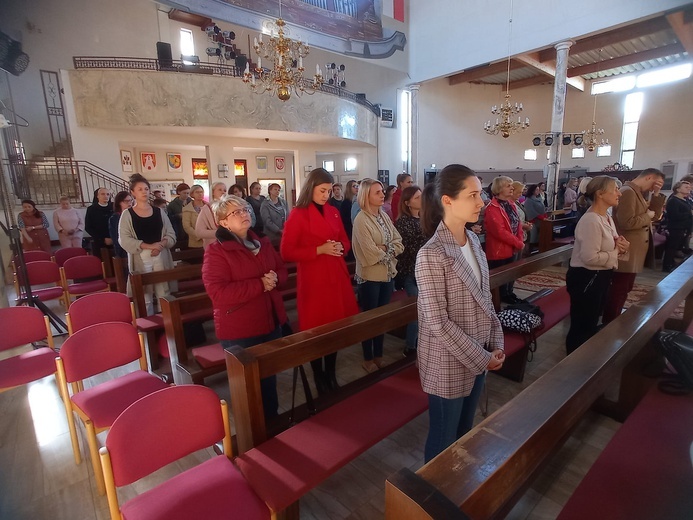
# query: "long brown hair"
348 195
407 194
449 181
315 178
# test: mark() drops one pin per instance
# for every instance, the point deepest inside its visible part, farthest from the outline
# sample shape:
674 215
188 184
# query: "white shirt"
472 261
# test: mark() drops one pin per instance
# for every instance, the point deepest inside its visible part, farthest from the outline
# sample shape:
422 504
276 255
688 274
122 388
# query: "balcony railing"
46 181
108 62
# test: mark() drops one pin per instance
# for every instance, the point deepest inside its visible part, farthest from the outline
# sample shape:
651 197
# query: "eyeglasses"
239 212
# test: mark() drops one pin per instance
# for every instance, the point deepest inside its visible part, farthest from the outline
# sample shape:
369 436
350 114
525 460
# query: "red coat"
324 293
501 241
232 277
394 203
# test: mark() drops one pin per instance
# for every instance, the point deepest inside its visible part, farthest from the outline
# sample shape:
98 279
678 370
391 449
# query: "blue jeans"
371 296
268 385
450 419
412 289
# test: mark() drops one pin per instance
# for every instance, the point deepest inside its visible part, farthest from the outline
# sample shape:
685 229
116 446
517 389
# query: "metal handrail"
216 69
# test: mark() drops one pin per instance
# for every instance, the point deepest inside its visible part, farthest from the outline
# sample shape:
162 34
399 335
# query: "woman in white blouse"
595 255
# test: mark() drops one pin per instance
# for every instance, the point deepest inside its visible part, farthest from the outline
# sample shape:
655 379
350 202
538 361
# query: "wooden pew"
485 472
193 255
547 232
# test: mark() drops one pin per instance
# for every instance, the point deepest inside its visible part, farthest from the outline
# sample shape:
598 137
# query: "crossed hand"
269 280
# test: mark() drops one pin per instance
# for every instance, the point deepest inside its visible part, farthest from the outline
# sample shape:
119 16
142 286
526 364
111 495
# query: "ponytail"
431 210
449 181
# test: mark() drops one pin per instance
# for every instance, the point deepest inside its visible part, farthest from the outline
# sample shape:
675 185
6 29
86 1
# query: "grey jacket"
274 217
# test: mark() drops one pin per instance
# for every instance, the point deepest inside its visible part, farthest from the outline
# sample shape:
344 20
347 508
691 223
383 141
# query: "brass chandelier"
285 74
505 122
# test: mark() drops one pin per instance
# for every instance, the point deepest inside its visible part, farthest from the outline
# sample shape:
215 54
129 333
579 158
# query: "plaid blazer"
458 326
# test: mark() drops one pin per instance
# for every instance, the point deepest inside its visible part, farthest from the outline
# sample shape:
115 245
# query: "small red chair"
95 350
99 308
161 428
87 275
21 326
63 255
42 273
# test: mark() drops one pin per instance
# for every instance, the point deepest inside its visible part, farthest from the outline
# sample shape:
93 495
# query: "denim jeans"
268 385
450 419
412 289
371 296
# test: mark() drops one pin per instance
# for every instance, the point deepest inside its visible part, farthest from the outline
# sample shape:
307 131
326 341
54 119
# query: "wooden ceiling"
644 45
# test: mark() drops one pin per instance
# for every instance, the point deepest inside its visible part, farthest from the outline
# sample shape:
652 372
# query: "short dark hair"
120 197
239 187
37 213
651 171
407 194
181 187
315 178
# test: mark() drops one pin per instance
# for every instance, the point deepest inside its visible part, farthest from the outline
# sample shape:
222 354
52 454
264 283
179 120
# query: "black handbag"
677 348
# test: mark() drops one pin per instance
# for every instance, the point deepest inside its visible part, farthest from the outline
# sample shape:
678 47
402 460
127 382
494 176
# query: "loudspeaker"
12 59
163 54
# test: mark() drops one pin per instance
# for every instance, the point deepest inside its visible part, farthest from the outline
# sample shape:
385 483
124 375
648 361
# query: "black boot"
319 377
331 372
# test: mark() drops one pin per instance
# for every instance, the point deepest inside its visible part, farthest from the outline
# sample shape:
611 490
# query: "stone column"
414 135
557 115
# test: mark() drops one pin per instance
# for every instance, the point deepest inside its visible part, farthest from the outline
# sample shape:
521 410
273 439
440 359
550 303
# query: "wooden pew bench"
549 231
645 470
485 472
285 467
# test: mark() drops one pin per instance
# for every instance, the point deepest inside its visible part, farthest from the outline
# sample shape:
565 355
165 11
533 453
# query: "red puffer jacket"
501 241
232 276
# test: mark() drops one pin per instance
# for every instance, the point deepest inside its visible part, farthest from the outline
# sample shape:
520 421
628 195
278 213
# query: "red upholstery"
106 401
209 355
84 267
64 254
98 308
47 293
20 326
659 239
34 256
163 427
43 272
215 489
87 287
98 348
24 368
645 470
284 468
150 323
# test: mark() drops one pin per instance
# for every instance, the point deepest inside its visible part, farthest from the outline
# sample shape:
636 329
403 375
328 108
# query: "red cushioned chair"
41 273
162 428
98 308
91 351
63 255
21 326
87 275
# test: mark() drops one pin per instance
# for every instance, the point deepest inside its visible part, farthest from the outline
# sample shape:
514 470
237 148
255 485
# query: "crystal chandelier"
285 75
505 122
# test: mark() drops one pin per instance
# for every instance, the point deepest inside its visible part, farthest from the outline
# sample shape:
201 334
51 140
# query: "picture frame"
167 187
147 161
126 161
261 163
265 185
174 162
279 164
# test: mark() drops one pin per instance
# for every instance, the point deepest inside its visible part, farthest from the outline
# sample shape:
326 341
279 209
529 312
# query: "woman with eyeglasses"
242 274
122 202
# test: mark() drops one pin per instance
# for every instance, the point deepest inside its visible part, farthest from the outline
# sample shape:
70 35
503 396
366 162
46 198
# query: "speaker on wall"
163 54
12 58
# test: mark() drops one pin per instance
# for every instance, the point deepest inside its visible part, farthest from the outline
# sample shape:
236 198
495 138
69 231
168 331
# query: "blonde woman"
190 214
376 243
206 226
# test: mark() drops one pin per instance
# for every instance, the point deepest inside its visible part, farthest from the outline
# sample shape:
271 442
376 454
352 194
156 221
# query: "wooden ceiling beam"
528 82
604 39
477 73
630 59
189 18
549 70
682 29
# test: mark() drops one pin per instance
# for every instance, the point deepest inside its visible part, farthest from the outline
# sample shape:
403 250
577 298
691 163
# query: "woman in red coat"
242 273
504 236
314 237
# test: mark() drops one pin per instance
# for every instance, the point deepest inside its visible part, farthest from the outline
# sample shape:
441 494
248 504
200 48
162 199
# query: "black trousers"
587 290
507 288
675 242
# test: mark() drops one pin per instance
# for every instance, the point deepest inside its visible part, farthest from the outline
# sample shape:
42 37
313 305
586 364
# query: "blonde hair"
517 189
597 185
222 206
583 185
65 197
498 182
364 192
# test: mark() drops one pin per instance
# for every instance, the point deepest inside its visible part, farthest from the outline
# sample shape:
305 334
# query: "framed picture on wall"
148 161
126 160
174 162
166 189
261 163
265 183
279 165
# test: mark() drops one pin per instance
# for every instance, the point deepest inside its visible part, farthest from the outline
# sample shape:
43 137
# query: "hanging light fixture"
505 122
285 74
592 137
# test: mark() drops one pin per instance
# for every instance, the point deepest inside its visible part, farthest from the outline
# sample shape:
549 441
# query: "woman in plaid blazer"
460 337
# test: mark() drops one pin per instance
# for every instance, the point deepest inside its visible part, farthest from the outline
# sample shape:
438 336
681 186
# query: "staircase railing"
45 181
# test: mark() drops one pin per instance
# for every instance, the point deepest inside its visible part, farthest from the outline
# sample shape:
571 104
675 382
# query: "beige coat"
633 222
371 261
128 240
189 221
